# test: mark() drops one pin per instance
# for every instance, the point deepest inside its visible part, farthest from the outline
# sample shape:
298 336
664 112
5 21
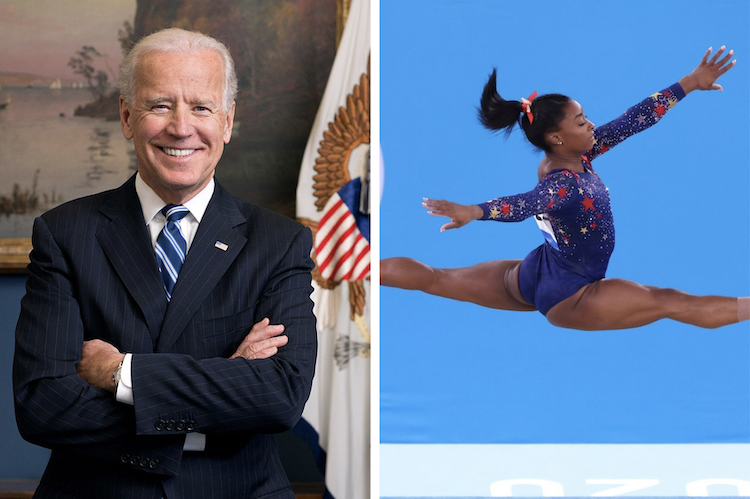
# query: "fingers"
712 66
717 54
435 206
723 68
727 67
726 58
439 207
262 342
261 349
265 329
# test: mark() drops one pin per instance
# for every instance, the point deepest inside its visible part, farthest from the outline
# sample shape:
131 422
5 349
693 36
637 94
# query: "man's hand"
262 342
99 360
708 71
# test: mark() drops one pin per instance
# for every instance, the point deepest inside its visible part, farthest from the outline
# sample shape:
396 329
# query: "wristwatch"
117 375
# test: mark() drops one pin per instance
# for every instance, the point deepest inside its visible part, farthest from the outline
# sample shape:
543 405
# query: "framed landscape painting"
60 135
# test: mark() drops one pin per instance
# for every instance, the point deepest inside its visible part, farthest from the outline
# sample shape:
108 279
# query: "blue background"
455 372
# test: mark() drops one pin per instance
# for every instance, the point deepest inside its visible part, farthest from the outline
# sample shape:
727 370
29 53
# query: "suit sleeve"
223 396
55 408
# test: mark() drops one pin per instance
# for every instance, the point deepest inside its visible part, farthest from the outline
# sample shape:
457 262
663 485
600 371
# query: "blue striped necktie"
171 247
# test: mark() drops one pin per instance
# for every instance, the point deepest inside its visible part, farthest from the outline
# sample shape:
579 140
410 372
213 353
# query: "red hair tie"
526 106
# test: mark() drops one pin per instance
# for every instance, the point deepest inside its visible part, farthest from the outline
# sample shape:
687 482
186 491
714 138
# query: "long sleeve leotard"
573 209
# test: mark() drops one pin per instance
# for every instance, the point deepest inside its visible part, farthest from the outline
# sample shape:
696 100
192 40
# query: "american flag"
342 243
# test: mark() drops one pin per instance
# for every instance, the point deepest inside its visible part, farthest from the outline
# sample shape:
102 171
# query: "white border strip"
564 470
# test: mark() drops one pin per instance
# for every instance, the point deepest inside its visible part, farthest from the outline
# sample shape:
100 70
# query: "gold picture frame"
14 254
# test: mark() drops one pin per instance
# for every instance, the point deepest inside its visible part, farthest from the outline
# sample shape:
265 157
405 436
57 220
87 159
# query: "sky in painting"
40 36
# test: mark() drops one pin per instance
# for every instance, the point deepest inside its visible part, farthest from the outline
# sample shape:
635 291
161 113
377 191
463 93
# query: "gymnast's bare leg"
621 304
490 284
603 305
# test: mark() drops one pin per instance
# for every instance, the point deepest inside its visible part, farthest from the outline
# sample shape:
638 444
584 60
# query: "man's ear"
125 115
229 124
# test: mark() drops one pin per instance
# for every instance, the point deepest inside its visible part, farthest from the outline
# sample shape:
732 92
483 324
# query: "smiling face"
576 132
177 121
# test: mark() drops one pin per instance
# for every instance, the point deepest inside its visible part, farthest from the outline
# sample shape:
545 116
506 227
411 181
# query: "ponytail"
496 113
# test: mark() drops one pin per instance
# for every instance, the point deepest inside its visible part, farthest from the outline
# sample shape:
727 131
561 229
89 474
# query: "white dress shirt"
151 205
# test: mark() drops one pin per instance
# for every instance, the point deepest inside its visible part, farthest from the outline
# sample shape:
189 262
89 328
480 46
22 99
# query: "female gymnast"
564 277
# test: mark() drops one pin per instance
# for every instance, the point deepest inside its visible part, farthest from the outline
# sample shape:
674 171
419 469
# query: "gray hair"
179 41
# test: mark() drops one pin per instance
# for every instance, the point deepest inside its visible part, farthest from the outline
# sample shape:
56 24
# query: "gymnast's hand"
459 214
708 71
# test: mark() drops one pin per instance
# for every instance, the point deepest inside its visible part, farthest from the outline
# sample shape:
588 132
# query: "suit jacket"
93 274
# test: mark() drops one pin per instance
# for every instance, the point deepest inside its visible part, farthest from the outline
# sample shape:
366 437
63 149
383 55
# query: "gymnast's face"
576 132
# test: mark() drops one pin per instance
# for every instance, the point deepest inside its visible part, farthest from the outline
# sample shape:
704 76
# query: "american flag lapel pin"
221 246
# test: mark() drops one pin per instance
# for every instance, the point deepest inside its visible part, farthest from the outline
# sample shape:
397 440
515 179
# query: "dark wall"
19 458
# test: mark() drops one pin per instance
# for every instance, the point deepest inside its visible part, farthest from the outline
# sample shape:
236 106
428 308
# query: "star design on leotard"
584 230
494 212
505 207
641 119
660 110
588 204
562 192
580 191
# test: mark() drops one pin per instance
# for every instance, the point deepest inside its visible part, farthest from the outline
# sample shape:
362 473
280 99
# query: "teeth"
178 152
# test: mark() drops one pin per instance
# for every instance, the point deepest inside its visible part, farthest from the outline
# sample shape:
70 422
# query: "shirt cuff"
195 442
124 392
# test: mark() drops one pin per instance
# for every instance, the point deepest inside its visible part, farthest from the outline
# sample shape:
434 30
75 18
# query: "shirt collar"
151 203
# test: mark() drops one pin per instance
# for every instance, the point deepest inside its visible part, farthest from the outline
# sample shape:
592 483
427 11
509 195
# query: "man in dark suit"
147 388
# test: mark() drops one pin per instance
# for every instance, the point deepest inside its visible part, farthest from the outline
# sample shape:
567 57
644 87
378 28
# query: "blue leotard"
573 209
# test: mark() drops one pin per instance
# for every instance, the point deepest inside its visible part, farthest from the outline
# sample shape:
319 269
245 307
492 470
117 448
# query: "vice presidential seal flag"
333 200
342 243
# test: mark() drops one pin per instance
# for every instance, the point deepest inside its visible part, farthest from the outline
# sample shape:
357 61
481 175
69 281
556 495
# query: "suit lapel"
205 264
126 243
